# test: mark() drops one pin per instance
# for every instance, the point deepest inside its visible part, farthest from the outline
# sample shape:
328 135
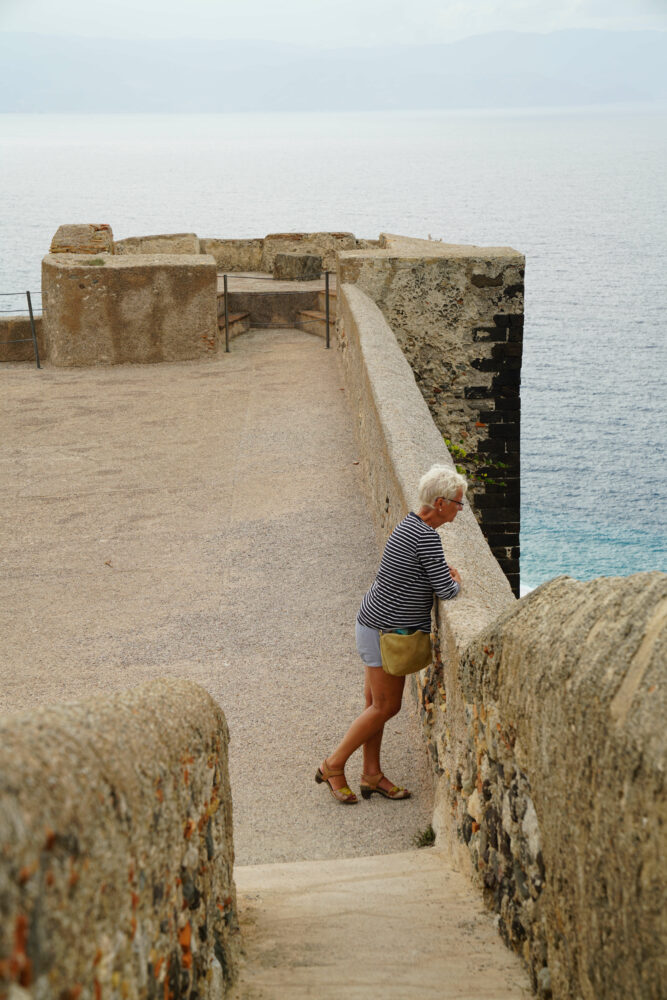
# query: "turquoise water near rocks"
582 193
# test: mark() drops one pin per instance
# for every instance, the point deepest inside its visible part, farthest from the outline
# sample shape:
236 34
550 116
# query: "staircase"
239 322
401 926
315 320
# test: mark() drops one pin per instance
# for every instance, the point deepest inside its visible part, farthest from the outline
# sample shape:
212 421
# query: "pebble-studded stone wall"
116 850
556 781
457 313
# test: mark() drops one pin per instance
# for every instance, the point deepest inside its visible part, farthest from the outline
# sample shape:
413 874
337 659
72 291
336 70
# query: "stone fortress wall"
457 313
542 716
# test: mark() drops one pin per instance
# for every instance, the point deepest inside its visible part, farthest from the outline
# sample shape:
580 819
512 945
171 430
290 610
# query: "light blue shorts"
368 644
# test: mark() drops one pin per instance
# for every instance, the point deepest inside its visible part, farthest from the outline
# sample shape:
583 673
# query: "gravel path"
205 520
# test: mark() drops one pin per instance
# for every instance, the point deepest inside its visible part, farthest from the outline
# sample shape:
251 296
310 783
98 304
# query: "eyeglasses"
459 503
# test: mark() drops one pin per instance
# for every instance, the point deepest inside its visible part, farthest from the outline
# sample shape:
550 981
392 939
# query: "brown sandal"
371 783
343 794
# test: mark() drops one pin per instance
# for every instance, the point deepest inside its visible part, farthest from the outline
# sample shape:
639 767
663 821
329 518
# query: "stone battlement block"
112 310
86 238
297 266
325 244
163 243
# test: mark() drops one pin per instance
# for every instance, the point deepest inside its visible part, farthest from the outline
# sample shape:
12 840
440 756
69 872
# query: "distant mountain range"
40 73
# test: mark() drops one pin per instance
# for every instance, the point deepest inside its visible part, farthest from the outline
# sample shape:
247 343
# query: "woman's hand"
455 575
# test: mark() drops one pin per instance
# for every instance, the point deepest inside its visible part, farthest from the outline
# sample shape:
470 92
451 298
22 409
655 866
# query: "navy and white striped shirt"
412 567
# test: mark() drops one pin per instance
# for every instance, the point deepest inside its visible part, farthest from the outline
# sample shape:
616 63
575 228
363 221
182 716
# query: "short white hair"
440 481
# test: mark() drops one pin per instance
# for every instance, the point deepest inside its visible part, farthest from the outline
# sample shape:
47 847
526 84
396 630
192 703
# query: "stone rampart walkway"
206 520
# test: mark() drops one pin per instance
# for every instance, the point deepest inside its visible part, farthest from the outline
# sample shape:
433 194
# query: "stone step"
394 926
314 321
239 322
333 302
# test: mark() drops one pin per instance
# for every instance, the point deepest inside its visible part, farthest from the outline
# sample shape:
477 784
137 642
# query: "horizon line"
327 46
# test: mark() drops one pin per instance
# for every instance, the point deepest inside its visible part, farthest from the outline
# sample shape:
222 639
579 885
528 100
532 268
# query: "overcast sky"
334 22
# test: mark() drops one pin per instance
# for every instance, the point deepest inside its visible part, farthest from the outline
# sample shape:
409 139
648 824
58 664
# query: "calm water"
582 194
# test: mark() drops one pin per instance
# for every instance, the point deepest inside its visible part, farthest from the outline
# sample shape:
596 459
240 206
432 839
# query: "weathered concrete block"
87 238
171 243
234 255
116 848
297 267
109 310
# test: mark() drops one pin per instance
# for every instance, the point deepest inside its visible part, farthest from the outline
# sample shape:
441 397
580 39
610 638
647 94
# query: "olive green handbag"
404 654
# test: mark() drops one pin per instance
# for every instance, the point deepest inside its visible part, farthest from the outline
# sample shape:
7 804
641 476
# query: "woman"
413 567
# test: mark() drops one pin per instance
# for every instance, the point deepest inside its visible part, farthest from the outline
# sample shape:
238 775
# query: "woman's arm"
446 582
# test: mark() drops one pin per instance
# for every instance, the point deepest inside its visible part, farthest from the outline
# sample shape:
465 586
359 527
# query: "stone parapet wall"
398 441
114 309
325 245
116 850
171 243
257 254
368 244
234 255
542 717
457 313
83 238
18 328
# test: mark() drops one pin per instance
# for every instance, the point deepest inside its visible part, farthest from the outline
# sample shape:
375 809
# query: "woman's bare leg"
386 696
371 748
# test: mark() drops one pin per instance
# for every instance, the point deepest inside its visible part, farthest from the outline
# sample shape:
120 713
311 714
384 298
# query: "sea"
581 192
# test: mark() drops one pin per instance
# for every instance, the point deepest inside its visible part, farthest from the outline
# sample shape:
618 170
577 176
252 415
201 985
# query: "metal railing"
18 312
269 277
